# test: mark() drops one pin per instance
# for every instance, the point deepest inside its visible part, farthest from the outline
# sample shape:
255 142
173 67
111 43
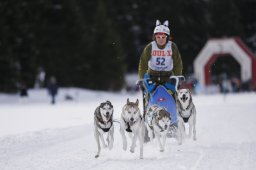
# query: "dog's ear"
128 101
108 102
162 113
158 117
189 91
102 104
137 102
190 94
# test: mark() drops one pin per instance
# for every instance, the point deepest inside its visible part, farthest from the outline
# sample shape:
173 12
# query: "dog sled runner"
160 95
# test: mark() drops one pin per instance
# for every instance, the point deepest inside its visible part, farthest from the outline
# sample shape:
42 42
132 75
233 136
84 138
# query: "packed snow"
35 135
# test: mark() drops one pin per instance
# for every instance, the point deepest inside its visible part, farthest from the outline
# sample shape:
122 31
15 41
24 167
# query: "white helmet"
162 28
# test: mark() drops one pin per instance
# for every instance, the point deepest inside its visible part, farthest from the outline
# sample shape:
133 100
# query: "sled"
161 97
164 99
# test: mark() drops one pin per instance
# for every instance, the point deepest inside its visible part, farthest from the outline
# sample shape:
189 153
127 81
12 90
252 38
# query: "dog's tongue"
184 98
107 117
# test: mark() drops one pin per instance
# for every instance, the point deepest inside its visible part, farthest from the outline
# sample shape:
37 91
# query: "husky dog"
132 123
103 125
158 122
186 111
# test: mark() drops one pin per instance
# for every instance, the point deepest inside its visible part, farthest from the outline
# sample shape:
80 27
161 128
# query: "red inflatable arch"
214 49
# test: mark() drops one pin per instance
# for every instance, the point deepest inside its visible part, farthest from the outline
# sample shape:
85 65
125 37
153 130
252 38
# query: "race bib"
161 59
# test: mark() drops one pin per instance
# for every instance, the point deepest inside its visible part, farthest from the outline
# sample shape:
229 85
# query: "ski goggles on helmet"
160 35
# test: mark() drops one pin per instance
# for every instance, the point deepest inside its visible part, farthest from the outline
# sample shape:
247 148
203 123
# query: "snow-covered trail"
73 148
225 129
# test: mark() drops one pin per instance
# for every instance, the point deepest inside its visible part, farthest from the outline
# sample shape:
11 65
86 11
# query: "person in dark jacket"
160 58
23 90
52 89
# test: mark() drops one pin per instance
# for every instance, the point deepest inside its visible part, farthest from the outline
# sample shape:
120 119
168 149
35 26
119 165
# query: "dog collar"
188 109
106 129
128 129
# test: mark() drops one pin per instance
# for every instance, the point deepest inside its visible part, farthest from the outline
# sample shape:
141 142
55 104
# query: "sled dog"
186 112
103 126
158 122
132 123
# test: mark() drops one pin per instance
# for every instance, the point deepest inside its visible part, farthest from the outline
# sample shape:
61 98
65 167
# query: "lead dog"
158 122
132 123
186 111
103 125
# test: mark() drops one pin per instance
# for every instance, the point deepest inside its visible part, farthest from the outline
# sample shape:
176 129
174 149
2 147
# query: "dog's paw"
161 150
132 150
124 148
194 138
96 156
150 136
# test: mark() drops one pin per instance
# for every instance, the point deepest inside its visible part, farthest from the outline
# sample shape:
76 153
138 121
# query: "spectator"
52 89
23 92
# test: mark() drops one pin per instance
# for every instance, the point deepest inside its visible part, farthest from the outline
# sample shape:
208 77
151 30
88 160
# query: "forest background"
94 44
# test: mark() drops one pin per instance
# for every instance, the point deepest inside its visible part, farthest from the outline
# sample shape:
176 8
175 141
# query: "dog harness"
128 129
186 113
100 120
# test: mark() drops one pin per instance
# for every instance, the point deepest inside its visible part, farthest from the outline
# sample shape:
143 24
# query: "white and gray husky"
132 123
186 112
158 123
103 125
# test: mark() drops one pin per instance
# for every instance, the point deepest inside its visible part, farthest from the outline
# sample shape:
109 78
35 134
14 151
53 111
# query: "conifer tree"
107 67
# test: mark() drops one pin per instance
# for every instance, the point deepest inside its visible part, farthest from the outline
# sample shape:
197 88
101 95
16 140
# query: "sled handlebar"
177 78
140 82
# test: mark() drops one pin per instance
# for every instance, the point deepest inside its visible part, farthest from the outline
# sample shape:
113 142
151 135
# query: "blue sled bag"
162 98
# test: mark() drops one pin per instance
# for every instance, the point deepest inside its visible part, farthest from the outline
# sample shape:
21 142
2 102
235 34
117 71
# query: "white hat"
162 28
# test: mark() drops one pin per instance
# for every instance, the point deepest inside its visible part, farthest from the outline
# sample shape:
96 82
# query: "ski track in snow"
226 141
73 148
